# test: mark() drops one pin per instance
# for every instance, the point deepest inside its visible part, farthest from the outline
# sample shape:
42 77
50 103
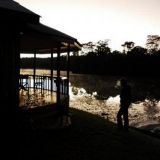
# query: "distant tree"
138 50
88 47
102 47
127 46
116 52
91 54
75 53
153 43
157 52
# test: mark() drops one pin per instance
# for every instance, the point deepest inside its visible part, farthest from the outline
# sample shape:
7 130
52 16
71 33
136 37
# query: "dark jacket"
125 96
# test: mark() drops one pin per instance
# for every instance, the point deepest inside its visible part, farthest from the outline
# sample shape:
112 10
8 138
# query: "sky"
94 20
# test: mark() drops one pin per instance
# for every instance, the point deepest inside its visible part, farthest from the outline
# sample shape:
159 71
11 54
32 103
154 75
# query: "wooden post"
34 70
10 68
58 73
51 70
68 68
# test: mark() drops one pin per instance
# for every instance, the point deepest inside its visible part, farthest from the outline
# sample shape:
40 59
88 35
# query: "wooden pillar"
58 73
68 68
67 83
51 71
34 70
10 67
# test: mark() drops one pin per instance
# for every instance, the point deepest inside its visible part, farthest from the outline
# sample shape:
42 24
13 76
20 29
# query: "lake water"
100 95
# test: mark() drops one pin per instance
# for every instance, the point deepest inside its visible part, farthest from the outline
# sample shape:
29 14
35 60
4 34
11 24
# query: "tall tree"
153 43
102 47
127 46
115 52
88 47
138 50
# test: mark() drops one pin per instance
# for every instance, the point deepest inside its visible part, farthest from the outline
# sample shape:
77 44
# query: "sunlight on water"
113 101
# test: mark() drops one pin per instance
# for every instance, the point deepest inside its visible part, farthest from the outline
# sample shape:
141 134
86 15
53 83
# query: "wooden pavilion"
41 39
21 32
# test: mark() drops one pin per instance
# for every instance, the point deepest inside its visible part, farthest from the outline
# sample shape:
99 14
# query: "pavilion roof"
42 39
34 35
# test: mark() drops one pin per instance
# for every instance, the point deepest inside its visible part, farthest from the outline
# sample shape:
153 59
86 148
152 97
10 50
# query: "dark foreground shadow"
90 137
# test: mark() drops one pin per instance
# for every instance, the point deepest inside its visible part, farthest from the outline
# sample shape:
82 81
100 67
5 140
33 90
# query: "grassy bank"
89 138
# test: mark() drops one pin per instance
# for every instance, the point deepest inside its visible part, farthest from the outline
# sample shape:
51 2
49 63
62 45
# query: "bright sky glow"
93 20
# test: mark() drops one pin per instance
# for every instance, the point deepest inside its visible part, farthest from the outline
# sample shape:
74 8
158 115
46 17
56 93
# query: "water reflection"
140 113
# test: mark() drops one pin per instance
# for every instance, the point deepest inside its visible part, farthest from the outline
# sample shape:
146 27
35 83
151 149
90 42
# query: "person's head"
123 82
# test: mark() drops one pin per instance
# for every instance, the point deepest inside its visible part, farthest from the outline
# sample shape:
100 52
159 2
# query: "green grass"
89 138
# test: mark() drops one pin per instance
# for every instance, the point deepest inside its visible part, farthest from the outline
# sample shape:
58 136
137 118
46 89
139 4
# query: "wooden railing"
43 83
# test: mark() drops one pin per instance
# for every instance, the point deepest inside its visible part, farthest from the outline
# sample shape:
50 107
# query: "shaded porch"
41 39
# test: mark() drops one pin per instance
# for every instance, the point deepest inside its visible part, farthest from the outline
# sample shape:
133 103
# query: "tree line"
97 58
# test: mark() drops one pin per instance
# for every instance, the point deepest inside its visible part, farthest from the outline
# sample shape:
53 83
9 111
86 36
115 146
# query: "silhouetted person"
125 101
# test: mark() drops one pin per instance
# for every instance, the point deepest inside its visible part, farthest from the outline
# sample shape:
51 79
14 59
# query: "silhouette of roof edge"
49 31
41 38
15 6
